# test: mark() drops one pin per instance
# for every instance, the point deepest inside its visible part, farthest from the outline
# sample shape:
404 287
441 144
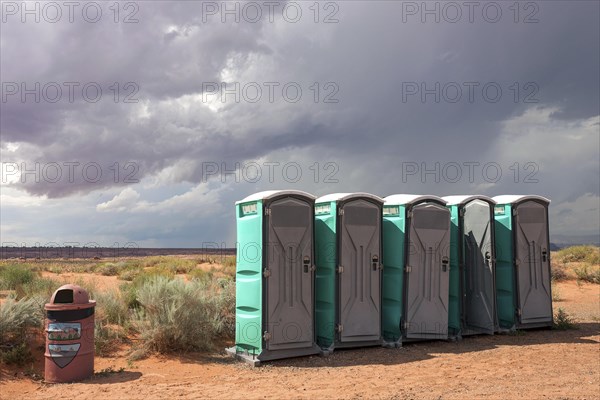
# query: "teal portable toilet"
523 291
348 278
416 241
472 295
274 276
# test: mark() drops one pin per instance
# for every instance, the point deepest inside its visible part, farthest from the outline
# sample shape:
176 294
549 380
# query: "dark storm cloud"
370 54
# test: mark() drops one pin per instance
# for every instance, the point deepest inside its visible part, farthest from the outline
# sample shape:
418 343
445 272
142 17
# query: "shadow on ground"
113 377
418 351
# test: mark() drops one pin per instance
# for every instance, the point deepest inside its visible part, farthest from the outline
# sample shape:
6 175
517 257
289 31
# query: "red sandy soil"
535 364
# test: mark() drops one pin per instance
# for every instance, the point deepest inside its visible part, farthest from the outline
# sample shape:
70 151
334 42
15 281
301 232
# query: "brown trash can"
69 335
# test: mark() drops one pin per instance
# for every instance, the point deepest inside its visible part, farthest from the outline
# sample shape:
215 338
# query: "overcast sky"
383 97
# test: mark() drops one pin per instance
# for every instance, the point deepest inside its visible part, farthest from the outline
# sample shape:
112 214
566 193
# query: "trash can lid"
70 297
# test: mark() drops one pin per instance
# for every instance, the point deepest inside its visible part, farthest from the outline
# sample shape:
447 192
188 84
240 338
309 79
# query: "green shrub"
65 265
129 295
594 256
107 338
150 261
558 271
18 354
129 291
563 321
176 265
112 307
200 274
175 315
229 266
182 265
226 301
129 274
16 316
107 371
55 269
108 269
588 273
14 275
42 287
588 254
112 321
150 273
33 266
206 259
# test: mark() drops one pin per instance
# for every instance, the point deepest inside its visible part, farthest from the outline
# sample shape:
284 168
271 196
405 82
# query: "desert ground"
532 364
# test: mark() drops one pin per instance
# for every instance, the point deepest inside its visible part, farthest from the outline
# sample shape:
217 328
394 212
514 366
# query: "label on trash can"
63 354
64 331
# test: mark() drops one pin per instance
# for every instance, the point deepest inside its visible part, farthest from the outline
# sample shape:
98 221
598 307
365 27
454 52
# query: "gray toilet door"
289 284
478 277
427 272
360 277
532 256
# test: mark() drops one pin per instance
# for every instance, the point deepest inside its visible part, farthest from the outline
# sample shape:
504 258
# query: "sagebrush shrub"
563 321
558 271
112 307
18 315
589 254
179 316
108 269
40 287
129 274
200 274
588 273
107 338
13 275
18 354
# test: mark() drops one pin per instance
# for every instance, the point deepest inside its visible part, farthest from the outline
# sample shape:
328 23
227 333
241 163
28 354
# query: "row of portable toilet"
353 269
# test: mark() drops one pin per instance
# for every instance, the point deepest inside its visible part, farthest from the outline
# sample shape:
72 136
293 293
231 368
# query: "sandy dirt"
538 364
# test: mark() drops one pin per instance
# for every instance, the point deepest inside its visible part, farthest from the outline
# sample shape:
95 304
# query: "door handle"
375 262
306 263
544 255
444 264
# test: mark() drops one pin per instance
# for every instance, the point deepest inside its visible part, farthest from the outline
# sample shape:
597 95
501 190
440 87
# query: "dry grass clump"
586 253
588 273
175 315
16 318
577 262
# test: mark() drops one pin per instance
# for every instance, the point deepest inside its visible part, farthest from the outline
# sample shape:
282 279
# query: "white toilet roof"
346 196
400 199
267 194
463 199
517 198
